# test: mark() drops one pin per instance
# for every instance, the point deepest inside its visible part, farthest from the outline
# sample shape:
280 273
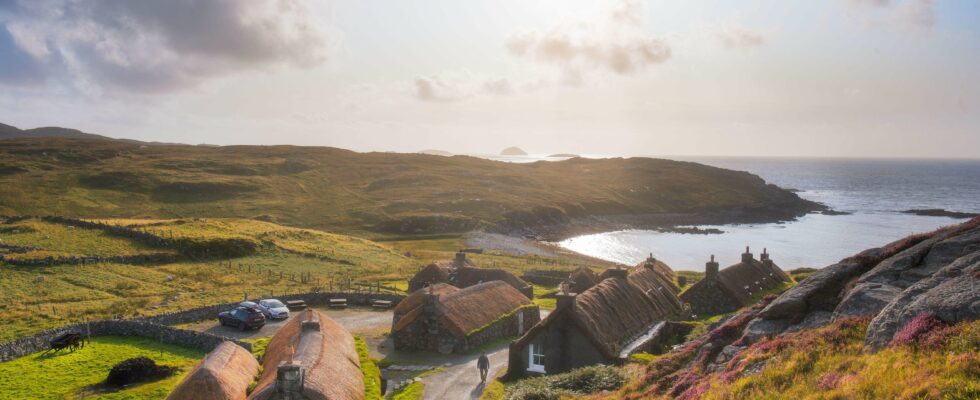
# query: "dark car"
243 318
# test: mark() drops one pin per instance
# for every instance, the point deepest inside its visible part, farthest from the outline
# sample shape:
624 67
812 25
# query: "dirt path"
461 380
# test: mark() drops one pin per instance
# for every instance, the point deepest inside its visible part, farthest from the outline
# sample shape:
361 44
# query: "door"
520 323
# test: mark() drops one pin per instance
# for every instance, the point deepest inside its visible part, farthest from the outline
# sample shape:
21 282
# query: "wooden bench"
338 303
384 304
295 304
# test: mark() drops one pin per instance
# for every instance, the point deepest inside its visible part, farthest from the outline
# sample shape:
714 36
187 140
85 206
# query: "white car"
273 309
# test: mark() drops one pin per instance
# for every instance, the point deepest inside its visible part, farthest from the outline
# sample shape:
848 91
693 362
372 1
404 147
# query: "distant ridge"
13 132
513 151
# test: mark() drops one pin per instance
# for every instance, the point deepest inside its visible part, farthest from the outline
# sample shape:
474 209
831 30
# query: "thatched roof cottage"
462 273
735 286
311 357
224 374
444 319
622 314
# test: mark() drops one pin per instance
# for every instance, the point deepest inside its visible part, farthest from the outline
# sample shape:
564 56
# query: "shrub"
581 381
915 329
138 369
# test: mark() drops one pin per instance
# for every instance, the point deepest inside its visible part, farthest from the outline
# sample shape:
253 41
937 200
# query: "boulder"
952 295
866 298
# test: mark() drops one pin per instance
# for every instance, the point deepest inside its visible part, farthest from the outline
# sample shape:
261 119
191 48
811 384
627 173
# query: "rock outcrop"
936 273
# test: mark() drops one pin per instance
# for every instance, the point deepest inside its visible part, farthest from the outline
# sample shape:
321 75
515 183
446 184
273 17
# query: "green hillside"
368 193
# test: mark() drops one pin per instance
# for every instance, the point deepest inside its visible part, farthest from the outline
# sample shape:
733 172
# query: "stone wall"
708 297
166 334
157 326
503 328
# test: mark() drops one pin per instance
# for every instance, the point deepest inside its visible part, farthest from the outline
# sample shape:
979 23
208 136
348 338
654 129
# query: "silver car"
273 309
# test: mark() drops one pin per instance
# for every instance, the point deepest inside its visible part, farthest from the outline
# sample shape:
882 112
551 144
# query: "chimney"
460 259
289 381
766 261
311 323
565 300
617 272
747 255
711 268
651 262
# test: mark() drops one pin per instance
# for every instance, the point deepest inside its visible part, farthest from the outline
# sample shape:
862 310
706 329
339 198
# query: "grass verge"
65 375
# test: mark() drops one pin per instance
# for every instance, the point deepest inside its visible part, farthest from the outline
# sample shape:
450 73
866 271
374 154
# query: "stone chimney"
711 268
289 381
617 272
747 255
565 300
764 257
310 323
651 262
460 259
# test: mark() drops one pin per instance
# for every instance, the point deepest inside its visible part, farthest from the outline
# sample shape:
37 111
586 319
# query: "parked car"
273 309
243 318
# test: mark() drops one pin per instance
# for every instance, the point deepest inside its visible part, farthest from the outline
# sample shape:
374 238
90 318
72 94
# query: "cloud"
740 38
906 15
452 87
615 44
156 46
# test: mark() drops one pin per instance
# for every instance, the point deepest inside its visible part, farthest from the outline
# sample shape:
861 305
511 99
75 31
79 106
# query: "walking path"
461 380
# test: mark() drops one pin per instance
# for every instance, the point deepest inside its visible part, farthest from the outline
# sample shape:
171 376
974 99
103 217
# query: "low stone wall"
503 328
166 334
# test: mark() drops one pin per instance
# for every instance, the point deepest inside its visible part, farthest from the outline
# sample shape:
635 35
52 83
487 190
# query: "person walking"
484 365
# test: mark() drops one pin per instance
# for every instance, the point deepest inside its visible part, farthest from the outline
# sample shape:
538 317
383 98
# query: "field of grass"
35 298
49 239
363 193
66 375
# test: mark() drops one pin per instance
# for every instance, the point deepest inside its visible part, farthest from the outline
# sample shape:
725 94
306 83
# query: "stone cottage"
462 273
735 286
444 319
311 357
622 314
224 374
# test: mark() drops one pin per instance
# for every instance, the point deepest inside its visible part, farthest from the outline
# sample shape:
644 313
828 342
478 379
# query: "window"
535 358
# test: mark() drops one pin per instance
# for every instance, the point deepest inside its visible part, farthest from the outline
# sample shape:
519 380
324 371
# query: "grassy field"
71 375
364 193
34 298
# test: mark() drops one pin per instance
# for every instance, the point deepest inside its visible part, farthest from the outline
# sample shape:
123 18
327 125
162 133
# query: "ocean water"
874 191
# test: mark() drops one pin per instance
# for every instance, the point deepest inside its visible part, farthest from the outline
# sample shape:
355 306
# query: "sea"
873 192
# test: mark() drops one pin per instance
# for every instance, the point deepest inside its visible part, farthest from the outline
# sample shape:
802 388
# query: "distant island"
567 155
433 152
513 151
939 212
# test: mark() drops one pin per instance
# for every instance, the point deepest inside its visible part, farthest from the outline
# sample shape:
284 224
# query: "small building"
224 374
581 279
444 319
311 357
462 273
735 286
622 314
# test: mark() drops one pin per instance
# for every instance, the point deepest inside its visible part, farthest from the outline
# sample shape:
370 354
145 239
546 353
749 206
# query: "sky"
834 78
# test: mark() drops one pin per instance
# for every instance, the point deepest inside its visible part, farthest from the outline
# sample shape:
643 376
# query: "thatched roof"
615 311
328 355
582 279
471 308
224 374
741 280
417 298
469 276
432 273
